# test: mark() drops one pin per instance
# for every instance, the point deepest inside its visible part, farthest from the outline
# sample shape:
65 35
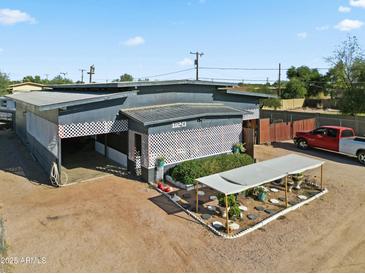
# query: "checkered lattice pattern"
92 128
189 144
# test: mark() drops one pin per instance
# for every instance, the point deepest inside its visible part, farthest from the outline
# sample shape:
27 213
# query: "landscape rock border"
248 230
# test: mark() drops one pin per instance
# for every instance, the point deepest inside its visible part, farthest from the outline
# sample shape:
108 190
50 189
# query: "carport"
63 127
243 178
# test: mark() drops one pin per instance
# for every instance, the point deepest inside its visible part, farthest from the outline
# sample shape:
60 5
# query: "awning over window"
246 177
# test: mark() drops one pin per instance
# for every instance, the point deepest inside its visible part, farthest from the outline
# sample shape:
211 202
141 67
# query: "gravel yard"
117 224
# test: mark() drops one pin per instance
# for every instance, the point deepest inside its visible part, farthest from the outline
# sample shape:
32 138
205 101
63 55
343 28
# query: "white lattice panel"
189 144
92 128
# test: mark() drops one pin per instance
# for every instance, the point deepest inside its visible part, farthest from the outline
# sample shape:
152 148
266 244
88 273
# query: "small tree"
274 103
4 83
295 88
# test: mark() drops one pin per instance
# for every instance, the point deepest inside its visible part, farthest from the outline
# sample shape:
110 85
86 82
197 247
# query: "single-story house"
25 87
135 123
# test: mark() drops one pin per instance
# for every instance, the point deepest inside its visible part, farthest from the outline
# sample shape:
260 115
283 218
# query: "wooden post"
286 191
196 198
227 219
321 177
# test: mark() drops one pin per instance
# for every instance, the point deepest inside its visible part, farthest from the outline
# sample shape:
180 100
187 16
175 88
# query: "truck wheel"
361 157
302 144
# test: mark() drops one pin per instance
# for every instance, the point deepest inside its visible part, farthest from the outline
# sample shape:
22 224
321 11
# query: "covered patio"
240 180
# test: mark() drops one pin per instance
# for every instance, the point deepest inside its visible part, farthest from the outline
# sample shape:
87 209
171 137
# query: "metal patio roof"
48 100
246 177
177 112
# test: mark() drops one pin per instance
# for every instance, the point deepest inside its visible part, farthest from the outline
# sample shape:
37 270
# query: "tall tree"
312 80
348 75
60 80
124 78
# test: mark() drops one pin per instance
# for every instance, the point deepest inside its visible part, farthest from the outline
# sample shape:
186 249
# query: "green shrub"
188 171
234 211
222 200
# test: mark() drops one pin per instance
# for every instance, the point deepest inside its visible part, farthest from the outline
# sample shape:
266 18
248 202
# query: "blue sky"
147 38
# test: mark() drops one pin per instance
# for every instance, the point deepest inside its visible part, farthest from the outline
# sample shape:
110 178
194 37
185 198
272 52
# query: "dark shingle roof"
177 112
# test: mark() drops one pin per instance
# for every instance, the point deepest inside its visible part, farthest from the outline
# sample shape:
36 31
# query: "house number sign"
179 125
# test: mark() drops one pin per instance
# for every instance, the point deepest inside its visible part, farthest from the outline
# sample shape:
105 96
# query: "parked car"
338 139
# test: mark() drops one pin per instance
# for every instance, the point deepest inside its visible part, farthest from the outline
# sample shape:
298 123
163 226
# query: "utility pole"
91 72
82 75
196 62
279 82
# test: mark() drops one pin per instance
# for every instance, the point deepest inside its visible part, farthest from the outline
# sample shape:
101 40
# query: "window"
319 131
331 132
347 133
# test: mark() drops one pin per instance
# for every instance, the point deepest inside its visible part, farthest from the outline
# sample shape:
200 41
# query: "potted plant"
160 161
261 193
298 180
239 148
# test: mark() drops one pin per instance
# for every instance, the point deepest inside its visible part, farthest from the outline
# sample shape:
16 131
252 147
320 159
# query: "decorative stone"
234 226
212 197
211 208
259 208
206 216
243 208
269 211
302 197
274 201
217 225
201 193
293 202
252 217
273 189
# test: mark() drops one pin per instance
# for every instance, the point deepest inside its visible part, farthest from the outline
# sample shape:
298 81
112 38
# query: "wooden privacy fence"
277 132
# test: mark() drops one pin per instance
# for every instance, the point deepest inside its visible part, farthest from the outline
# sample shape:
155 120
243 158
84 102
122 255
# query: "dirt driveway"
115 224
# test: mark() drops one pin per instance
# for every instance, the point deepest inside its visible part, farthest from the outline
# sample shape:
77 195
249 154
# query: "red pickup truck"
333 138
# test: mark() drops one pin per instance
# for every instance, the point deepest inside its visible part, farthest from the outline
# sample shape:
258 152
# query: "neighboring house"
135 123
25 87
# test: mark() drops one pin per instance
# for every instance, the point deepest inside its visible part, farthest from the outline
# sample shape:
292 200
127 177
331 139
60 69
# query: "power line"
259 69
167 73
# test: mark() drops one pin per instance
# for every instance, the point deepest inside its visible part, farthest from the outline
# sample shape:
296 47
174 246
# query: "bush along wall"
188 171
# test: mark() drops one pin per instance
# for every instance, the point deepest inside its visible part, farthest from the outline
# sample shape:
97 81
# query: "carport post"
196 197
286 191
59 162
321 177
227 220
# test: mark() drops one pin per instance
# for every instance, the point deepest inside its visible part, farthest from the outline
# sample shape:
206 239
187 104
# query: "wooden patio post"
286 191
196 198
227 219
321 177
